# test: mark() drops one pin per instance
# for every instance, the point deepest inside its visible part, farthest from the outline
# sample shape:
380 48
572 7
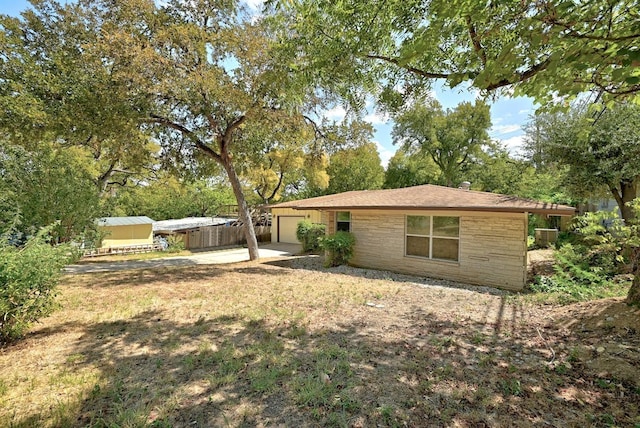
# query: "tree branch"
475 39
517 77
315 126
413 70
187 133
520 77
226 139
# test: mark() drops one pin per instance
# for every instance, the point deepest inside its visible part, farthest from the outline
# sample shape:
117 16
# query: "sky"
508 115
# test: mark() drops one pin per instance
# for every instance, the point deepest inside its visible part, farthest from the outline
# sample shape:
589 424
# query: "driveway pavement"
201 258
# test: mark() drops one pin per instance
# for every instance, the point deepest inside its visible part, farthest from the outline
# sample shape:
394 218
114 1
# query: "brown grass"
257 344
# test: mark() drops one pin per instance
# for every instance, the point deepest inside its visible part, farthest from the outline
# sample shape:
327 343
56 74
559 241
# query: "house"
456 234
284 222
125 231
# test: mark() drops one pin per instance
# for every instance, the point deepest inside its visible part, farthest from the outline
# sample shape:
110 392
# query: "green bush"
309 235
175 244
28 279
339 248
589 261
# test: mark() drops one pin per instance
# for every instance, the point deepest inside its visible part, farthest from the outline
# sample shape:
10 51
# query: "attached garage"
287 228
284 222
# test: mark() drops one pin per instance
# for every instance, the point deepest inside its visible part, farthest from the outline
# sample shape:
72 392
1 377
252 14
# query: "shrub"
175 244
339 248
309 235
588 261
28 279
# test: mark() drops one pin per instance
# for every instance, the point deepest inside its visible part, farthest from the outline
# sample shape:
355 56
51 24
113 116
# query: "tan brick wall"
492 246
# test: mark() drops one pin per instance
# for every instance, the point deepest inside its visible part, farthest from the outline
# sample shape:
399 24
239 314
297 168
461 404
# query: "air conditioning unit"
546 237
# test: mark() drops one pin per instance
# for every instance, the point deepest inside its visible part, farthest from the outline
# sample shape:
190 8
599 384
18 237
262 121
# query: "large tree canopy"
58 85
355 168
38 189
538 48
600 148
451 138
199 77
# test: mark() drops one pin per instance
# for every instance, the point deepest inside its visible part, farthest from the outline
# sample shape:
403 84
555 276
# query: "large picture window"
343 221
433 237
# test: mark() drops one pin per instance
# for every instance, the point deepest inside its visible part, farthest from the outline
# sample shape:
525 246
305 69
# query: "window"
432 237
343 221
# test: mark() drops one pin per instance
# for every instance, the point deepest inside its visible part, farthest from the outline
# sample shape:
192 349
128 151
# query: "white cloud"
377 118
385 154
514 144
524 111
505 129
337 113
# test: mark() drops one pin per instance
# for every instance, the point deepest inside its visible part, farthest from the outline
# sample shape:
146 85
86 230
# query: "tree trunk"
243 209
628 192
633 297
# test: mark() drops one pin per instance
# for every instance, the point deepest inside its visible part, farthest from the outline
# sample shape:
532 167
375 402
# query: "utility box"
546 237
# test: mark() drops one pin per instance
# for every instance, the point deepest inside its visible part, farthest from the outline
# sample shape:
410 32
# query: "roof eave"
533 210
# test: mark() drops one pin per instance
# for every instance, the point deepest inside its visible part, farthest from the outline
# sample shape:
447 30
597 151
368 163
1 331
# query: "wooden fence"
222 236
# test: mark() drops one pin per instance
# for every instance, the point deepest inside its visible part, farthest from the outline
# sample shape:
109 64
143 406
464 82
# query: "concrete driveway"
233 255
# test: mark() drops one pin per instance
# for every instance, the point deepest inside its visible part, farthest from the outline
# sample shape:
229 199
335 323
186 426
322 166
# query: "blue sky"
508 115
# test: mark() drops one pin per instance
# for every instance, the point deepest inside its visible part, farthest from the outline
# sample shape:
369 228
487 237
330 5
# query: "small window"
343 221
432 237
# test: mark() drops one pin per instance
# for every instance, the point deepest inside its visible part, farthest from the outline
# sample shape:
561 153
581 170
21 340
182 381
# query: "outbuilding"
456 234
126 231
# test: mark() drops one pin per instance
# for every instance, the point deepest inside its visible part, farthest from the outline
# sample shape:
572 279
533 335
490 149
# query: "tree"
540 49
169 197
194 75
50 187
58 86
451 138
410 168
357 168
600 148
282 153
495 170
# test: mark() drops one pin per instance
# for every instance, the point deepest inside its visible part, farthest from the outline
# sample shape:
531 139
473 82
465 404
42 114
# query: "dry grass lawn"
289 343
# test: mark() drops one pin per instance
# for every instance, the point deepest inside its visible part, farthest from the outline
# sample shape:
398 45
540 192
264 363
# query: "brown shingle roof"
428 196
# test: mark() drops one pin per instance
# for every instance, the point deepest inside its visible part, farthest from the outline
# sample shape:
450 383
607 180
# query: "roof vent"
465 185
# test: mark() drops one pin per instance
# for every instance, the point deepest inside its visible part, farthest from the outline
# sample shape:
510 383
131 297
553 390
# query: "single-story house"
456 234
284 222
126 231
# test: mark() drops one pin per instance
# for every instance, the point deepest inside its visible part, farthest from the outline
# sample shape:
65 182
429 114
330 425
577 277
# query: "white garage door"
287 229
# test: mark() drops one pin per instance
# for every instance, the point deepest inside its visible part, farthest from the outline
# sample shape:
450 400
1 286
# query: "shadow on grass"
229 371
171 274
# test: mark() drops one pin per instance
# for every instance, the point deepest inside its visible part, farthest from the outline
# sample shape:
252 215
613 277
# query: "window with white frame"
432 237
343 221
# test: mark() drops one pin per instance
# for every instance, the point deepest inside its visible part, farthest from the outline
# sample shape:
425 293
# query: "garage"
284 222
287 226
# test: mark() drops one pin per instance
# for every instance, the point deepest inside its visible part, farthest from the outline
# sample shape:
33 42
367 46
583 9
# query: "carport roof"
124 221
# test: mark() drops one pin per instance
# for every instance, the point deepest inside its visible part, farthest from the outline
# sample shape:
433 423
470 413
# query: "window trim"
430 236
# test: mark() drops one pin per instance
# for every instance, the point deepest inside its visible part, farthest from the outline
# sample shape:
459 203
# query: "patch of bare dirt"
540 262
